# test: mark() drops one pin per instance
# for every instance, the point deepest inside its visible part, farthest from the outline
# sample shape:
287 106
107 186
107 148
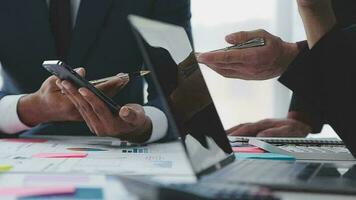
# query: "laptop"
318 149
190 110
306 151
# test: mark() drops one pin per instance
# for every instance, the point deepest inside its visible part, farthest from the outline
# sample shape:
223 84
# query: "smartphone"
65 72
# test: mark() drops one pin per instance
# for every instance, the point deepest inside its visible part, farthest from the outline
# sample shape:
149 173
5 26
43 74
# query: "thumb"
50 83
81 71
112 87
244 36
128 114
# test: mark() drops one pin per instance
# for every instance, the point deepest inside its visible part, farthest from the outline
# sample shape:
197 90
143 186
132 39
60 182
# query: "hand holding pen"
256 55
126 76
256 42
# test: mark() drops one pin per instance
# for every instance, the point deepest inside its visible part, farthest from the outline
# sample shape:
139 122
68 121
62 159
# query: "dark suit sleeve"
311 116
2 95
314 118
175 12
345 14
325 78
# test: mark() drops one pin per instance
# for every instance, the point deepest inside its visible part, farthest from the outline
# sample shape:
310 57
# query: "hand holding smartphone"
65 72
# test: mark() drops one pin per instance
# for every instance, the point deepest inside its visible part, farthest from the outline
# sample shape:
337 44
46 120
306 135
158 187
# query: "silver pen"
127 76
257 42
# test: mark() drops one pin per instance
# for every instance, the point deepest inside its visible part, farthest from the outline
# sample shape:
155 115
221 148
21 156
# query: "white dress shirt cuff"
10 122
159 123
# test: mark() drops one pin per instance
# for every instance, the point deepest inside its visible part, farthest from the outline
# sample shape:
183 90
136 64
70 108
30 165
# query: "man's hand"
48 104
272 128
258 63
130 123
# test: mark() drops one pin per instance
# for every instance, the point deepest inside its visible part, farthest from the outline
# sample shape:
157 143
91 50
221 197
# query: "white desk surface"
115 152
310 196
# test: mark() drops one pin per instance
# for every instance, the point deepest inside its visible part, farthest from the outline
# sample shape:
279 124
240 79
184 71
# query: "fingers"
53 83
83 114
112 87
231 130
287 128
80 103
282 131
81 71
252 129
104 123
226 67
247 64
130 118
272 128
244 36
99 118
224 57
239 71
231 71
74 96
50 83
236 56
133 114
97 108
249 129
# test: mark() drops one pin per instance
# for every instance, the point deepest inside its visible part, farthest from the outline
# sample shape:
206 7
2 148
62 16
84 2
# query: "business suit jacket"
345 12
325 78
102 42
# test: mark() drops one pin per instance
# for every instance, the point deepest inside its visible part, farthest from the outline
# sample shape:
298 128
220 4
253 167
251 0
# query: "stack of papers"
61 155
76 168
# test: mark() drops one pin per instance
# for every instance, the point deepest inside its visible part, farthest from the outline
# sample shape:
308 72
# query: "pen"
128 76
257 42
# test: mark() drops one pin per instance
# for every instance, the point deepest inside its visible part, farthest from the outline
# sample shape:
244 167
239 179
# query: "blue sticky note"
268 156
80 194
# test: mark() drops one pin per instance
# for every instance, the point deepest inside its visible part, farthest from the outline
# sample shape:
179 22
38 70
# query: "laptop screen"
168 54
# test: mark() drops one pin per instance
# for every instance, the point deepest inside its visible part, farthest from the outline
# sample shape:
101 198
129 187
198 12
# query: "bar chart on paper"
135 150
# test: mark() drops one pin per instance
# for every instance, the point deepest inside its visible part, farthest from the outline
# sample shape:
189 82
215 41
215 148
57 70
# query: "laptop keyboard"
230 182
260 171
315 149
221 191
254 170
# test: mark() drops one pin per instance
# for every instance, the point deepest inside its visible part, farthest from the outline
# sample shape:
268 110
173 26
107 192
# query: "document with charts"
69 156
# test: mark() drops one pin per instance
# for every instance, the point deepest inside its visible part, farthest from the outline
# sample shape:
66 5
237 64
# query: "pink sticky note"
35 191
25 140
247 150
60 155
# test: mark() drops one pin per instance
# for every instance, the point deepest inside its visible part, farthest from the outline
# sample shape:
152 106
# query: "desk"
106 156
310 196
60 155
